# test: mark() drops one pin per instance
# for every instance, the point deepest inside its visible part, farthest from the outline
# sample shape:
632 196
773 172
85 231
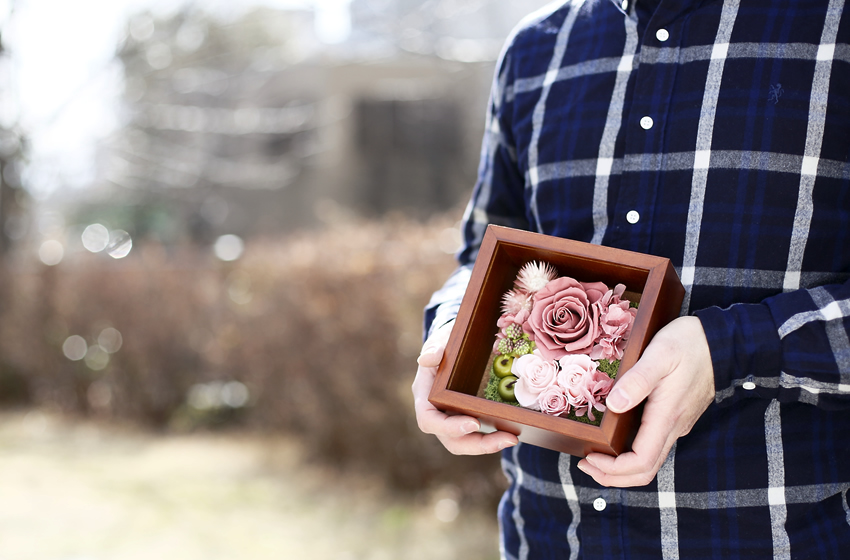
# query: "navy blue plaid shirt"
715 133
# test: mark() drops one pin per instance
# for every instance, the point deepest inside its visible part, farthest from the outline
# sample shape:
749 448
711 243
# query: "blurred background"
219 224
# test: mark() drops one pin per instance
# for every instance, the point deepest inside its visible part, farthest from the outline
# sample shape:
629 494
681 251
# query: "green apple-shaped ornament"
506 388
502 365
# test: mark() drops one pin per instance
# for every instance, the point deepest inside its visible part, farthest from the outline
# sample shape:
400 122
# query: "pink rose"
553 401
577 373
535 374
562 320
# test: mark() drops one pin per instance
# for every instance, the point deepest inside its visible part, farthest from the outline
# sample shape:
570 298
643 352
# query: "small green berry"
522 347
513 331
506 346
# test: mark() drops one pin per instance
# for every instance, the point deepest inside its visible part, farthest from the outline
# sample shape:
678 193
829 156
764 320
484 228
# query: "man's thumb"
431 355
629 390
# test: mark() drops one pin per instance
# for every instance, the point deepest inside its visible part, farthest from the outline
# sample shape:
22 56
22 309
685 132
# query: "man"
715 133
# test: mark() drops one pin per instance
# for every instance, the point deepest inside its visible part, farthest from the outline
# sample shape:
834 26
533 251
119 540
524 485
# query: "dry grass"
84 490
323 328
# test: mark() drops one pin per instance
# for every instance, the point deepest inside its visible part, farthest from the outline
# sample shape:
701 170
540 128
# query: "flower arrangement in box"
559 344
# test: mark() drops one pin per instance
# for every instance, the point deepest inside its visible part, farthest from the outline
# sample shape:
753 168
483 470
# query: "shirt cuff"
445 303
745 351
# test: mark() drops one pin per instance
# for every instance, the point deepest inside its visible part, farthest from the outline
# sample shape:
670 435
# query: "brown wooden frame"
503 252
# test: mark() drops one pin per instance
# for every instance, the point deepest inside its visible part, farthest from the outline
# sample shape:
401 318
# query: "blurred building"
255 127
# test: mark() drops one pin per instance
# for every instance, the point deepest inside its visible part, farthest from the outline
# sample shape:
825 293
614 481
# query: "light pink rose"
577 371
535 374
553 401
562 320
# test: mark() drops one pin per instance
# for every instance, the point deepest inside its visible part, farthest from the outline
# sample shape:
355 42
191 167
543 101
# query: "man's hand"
459 434
676 377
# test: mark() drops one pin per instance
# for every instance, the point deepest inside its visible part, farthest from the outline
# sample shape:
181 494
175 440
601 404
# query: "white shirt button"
662 35
749 385
646 123
599 504
625 5
633 217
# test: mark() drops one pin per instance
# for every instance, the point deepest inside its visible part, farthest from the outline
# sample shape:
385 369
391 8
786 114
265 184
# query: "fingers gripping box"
464 371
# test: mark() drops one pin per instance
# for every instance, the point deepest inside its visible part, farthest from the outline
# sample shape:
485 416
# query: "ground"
72 490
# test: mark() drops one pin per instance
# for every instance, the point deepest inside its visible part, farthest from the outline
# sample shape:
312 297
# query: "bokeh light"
95 238
229 247
120 244
96 357
450 240
51 252
446 510
235 394
75 347
110 340
218 394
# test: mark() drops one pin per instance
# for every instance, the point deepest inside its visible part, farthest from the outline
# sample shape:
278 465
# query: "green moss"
609 367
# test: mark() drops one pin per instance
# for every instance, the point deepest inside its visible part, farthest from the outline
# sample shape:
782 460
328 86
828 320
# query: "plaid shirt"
715 133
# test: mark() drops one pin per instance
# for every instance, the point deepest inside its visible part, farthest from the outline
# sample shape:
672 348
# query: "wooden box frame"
503 252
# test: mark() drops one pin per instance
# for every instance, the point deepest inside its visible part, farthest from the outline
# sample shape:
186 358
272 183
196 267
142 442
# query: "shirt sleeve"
498 196
793 347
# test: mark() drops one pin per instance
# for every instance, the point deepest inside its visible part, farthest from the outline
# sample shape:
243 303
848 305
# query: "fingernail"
469 427
582 467
506 444
591 463
618 400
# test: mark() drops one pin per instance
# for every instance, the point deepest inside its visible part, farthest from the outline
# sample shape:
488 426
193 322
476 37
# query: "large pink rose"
595 290
562 320
535 374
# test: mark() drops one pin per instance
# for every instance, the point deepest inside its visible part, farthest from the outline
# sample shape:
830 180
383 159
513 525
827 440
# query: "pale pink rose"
553 401
562 320
577 371
535 374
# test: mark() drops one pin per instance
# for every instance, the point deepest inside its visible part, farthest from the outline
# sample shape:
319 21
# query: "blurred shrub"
315 335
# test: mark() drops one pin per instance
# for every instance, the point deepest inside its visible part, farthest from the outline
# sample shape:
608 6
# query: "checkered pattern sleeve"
791 347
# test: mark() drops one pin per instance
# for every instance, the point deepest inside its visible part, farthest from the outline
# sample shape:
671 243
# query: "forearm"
793 347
